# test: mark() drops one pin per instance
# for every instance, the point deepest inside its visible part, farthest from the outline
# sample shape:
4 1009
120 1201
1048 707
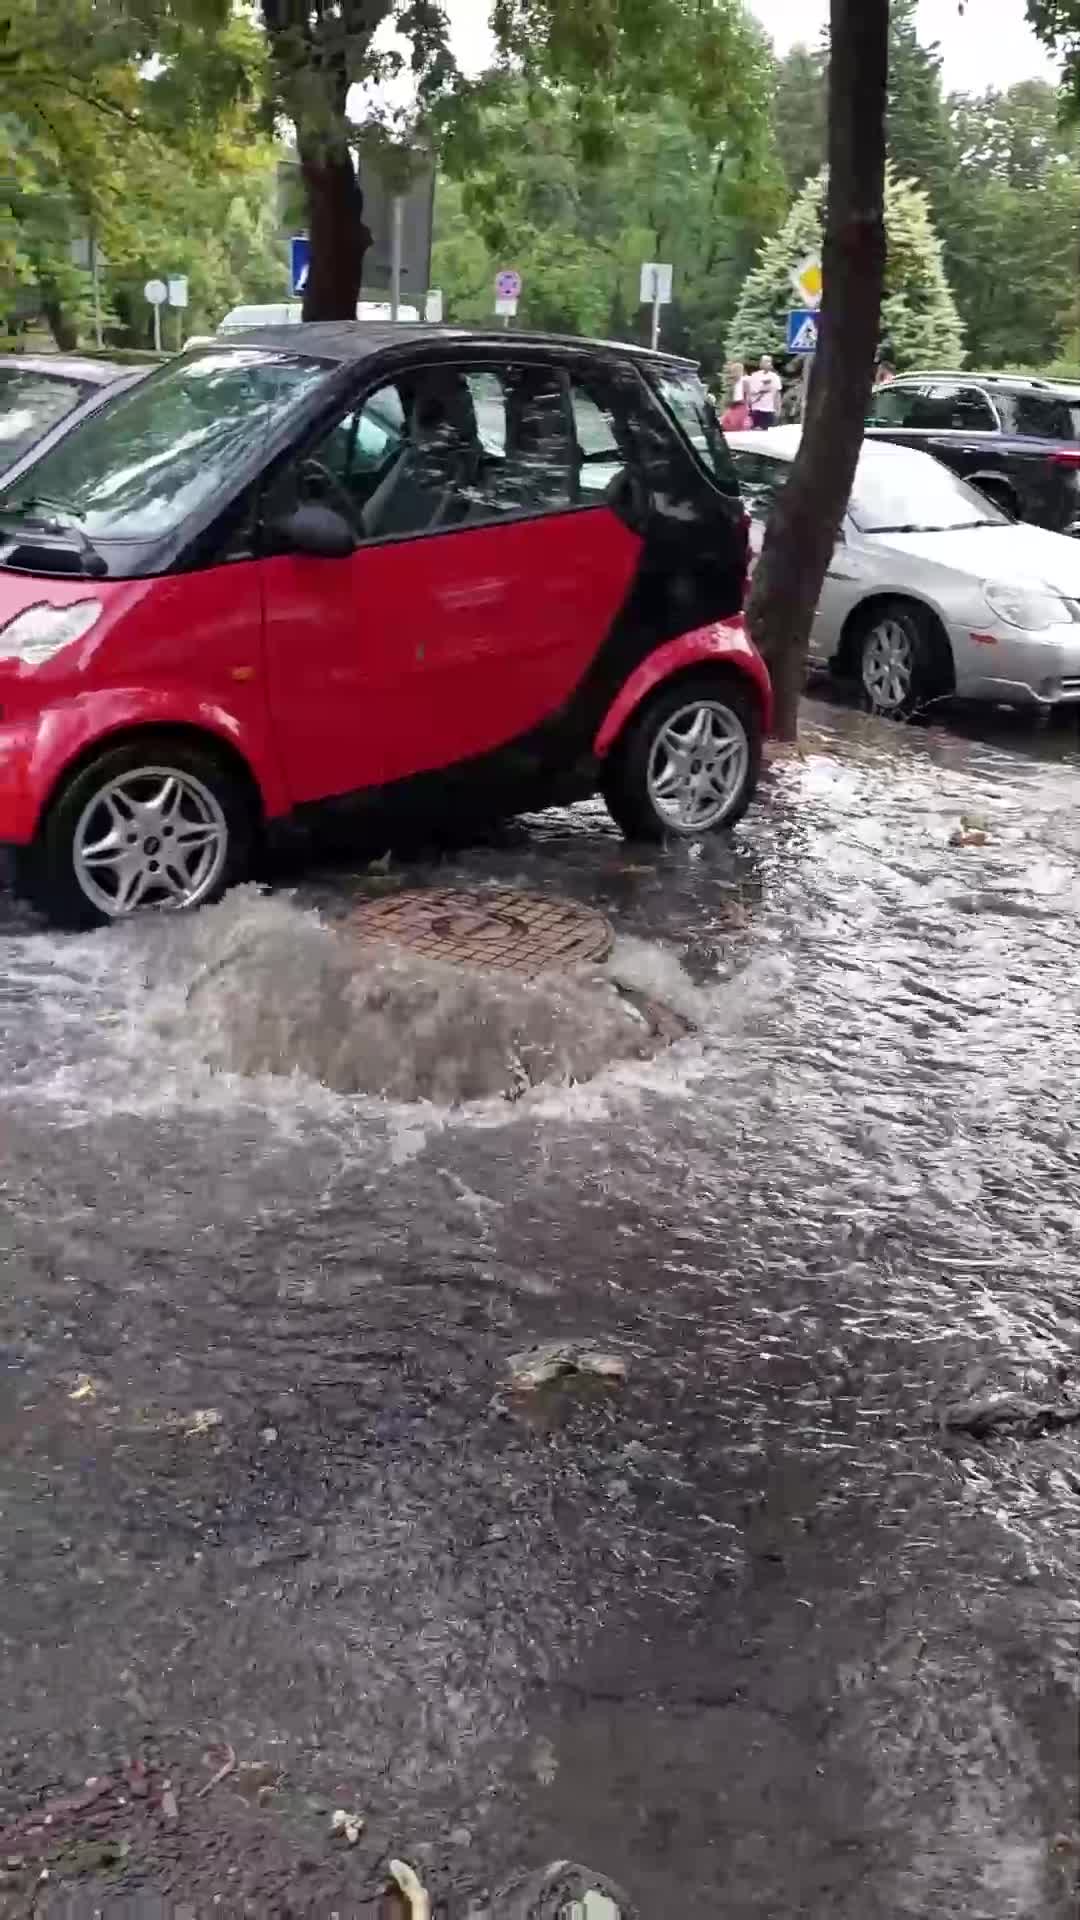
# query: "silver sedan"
932 590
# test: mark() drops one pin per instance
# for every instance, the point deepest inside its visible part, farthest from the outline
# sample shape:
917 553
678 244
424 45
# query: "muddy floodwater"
780 1618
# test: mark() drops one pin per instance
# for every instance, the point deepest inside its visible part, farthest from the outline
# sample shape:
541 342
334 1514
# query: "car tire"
899 660
71 872
658 787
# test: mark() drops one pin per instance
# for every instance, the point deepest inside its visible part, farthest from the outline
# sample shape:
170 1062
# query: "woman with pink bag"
736 417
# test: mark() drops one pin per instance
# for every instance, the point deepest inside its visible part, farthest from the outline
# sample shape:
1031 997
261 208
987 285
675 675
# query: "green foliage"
579 234
134 122
1057 22
919 314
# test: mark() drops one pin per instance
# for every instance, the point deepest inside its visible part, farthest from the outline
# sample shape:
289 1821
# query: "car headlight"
40 631
1028 607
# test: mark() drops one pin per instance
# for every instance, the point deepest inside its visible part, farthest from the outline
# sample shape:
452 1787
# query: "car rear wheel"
900 664
158 824
688 764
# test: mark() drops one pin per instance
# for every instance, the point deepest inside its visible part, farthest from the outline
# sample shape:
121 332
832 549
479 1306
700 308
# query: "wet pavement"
782 1623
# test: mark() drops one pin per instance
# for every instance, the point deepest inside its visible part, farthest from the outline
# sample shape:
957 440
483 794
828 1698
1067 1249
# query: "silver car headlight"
40 631
1028 607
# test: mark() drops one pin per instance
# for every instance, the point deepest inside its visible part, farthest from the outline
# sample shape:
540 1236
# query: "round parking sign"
508 284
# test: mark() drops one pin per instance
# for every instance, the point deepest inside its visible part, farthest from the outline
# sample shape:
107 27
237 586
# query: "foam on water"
261 999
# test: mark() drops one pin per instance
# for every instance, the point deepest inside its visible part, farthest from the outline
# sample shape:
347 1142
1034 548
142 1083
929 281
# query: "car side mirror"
315 529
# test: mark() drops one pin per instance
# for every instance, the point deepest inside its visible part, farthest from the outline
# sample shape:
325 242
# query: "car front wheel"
156 824
900 663
689 762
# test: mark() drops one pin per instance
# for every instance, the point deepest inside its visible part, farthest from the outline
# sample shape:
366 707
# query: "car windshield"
30 404
900 492
157 453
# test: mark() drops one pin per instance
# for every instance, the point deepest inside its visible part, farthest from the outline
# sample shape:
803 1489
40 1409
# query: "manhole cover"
521 933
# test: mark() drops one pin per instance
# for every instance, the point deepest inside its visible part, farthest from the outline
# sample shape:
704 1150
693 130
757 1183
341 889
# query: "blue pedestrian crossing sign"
802 331
299 261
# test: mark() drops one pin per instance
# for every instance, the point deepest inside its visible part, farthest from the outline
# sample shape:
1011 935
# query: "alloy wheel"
888 665
154 837
697 766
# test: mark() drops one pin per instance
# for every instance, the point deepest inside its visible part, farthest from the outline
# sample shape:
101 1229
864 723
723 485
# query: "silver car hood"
1016 555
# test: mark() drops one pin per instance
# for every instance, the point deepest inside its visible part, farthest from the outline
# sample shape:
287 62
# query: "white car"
287 313
932 591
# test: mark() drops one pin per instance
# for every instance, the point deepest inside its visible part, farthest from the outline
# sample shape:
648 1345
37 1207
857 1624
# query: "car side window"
445 448
893 406
1037 414
954 408
600 459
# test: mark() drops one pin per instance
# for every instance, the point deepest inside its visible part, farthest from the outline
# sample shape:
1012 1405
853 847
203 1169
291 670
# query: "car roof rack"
980 379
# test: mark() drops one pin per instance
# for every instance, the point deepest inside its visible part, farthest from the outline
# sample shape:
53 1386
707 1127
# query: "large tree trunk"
339 238
806 519
61 324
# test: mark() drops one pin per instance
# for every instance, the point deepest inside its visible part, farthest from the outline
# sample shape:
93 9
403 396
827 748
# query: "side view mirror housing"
314 529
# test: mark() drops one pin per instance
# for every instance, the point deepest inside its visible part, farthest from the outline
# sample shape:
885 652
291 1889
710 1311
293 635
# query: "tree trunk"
61 325
339 238
805 521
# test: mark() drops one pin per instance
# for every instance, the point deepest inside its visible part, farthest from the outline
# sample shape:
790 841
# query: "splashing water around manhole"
259 986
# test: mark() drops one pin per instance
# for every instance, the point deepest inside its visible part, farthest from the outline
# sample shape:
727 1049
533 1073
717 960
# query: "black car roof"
353 340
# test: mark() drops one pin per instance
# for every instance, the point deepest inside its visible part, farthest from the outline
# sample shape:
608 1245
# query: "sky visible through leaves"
974 58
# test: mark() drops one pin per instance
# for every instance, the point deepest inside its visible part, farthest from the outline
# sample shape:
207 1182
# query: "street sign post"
802 331
433 307
299 261
156 293
657 277
507 293
178 298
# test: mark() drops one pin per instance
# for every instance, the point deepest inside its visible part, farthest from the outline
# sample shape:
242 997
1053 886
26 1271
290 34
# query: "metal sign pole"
396 212
98 339
655 310
157 326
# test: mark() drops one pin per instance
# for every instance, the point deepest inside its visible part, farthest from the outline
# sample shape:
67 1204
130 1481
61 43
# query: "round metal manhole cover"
521 933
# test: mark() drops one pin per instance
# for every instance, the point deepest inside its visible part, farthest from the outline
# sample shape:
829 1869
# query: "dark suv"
1016 439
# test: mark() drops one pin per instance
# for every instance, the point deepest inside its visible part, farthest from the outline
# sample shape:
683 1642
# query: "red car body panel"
184 650
417 654
724 643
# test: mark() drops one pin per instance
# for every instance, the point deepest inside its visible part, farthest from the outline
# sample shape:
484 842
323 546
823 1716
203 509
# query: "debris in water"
203 1420
84 1389
170 1805
561 1889
227 1766
347 1826
410 1885
1010 1412
562 1360
973 831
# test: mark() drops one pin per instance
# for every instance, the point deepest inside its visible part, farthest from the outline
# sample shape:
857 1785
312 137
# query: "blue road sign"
299 260
802 331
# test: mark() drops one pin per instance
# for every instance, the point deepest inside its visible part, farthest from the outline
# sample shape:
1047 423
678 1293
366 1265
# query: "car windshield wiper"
30 503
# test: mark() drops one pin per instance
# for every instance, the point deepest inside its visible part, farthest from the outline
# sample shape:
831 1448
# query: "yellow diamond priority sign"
807 281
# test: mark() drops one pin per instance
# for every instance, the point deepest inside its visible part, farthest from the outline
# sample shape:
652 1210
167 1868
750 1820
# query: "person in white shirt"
766 389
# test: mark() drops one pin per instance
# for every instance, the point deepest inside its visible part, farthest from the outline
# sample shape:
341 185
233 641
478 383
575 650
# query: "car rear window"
685 397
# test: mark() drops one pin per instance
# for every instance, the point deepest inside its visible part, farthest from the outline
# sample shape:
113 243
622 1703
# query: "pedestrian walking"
736 415
765 392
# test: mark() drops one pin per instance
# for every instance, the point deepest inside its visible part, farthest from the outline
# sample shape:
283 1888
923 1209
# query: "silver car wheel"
698 766
154 837
888 665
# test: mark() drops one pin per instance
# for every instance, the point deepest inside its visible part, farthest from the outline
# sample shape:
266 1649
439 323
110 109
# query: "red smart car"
385 566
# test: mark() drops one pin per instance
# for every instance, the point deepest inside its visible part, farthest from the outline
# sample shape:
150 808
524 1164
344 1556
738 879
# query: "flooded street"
766 1629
